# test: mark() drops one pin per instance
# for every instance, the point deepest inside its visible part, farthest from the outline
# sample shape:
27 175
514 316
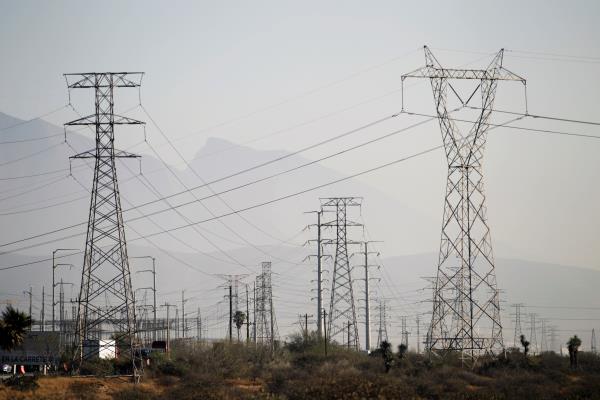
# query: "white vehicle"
7 369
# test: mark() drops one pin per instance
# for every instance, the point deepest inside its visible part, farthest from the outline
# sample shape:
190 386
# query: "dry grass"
71 388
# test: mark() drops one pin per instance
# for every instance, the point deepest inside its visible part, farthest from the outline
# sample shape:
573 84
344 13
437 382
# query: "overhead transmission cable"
153 189
257 166
429 116
226 226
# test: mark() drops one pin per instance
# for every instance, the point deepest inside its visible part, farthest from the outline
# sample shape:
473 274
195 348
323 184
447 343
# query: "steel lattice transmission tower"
383 322
106 308
266 324
342 309
518 328
466 309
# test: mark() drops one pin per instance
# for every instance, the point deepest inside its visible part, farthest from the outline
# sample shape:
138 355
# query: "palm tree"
13 328
239 317
573 344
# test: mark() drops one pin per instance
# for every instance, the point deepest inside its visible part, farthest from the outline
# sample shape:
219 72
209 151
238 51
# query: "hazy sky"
211 62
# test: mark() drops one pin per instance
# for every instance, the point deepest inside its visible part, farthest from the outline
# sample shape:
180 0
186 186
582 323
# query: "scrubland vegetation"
300 370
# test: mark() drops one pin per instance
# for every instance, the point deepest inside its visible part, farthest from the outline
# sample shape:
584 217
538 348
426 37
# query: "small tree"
238 318
13 328
525 345
573 346
386 352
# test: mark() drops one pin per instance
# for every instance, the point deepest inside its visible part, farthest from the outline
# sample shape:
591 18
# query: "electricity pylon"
266 324
106 308
342 308
533 334
518 327
466 307
382 334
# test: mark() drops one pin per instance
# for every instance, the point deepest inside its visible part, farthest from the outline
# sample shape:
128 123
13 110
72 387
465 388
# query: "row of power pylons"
466 306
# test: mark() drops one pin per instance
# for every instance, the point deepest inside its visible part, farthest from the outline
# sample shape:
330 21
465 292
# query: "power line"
34 118
31 155
278 199
536 116
17 141
260 204
33 189
522 128
153 189
237 234
254 206
257 166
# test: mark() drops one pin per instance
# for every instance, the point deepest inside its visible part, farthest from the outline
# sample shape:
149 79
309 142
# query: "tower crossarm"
434 70
103 79
431 72
93 154
103 119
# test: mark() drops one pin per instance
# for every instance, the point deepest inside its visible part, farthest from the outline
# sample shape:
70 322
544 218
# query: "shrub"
171 368
22 383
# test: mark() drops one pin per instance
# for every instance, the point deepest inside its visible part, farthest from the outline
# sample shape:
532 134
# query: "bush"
171 368
22 383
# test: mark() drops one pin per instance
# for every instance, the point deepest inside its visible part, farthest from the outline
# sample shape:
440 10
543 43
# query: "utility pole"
319 256
183 325
367 307
466 268
254 313
365 253
30 293
61 307
272 321
230 314
325 329
153 271
106 273
593 344
54 266
247 315
177 322
233 282
43 317
199 326
168 329
348 335
306 325
418 334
